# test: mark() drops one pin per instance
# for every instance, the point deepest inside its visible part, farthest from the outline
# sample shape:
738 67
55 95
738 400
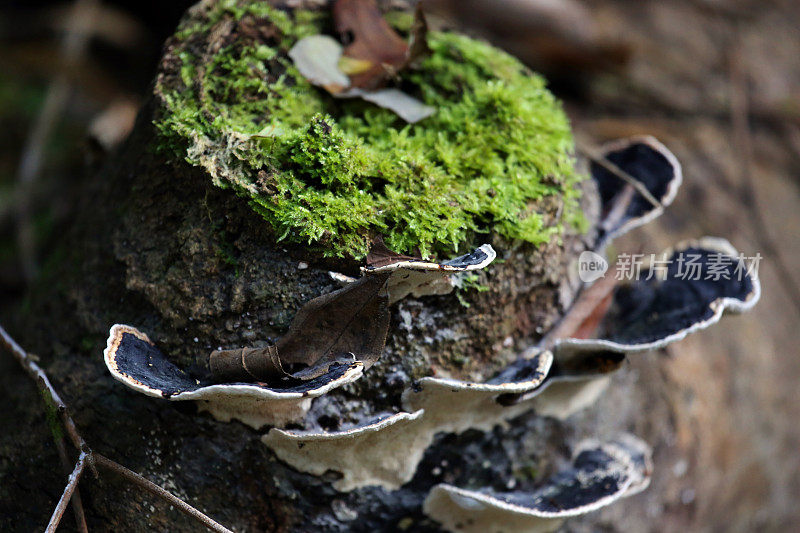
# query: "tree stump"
169 241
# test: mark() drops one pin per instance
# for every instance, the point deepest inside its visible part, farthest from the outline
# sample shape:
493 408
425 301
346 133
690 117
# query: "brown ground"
720 408
719 83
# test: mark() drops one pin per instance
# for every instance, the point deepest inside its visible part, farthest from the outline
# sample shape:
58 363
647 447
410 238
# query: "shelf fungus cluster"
601 473
335 339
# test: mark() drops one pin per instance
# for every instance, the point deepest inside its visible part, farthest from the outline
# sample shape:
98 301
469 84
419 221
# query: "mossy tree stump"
240 188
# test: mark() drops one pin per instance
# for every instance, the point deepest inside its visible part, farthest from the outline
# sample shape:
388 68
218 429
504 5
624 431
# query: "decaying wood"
695 403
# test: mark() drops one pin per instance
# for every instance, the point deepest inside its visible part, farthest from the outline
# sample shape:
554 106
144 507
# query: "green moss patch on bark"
334 173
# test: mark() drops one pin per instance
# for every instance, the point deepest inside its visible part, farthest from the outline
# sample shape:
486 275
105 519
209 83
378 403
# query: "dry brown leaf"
351 323
418 48
380 255
587 328
319 58
373 40
353 320
586 312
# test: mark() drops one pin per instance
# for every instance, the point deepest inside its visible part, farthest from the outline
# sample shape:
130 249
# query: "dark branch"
37 374
592 156
87 457
77 504
151 487
72 483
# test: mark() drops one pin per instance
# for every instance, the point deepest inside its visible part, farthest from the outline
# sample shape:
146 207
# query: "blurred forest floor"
717 81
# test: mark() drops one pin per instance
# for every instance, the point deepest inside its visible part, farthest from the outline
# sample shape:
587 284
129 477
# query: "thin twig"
38 375
74 477
87 456
30 165
587 302
151 487
596 158
77 504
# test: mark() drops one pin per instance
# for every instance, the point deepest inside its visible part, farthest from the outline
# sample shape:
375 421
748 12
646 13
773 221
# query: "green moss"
51 412
467 282
335 173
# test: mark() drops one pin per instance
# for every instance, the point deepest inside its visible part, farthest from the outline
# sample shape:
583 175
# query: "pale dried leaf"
406 107
317 58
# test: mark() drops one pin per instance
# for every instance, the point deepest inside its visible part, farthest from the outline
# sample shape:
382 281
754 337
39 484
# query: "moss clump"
335 173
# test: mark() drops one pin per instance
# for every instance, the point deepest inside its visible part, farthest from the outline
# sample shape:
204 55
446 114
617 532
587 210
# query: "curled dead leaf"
406 107
354 319
380 255
246 364
372 40
347 325
319 59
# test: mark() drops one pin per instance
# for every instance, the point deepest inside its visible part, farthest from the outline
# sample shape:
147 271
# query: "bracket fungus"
383 452
335 337
414 276
659 308
436 405
133 359
555 381
601 473
409 275
635 178
454 406
387 452
688 288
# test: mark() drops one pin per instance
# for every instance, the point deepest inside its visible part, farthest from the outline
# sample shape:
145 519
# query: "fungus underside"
335 173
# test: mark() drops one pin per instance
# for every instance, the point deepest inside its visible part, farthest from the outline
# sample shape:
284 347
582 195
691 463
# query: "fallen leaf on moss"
406 107
317 59
351 66
373 41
